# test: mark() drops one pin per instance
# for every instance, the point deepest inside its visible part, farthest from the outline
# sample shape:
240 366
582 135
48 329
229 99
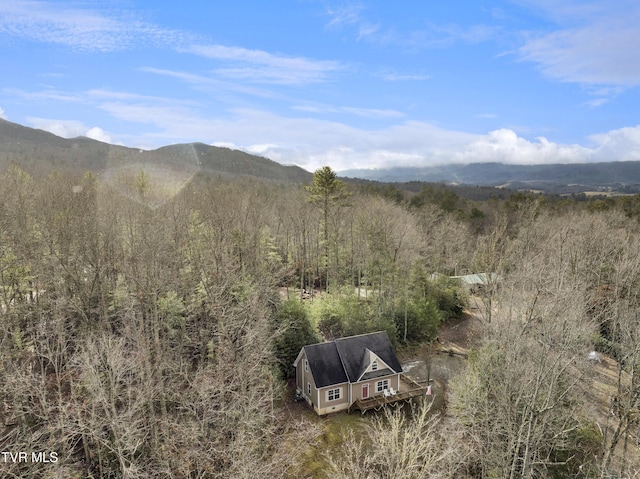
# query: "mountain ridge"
40 152
623 176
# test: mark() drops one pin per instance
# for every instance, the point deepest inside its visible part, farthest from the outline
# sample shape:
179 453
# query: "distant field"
606 193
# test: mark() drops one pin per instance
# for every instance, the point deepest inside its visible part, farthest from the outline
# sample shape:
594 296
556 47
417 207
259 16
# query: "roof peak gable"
351 356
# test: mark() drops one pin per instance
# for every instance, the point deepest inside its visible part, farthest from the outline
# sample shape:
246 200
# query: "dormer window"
374 365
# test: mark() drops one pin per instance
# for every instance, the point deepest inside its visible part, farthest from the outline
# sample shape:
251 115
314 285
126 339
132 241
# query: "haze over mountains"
39 152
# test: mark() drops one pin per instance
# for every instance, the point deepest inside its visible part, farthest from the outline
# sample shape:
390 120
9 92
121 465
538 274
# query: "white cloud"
63 128
313 142
264 67
620 145
214 86
307 142
597 102
394 76
432 36
3 114
69 129
96 133
367 30
224 144
599 50
369 113
83 29
505 146
352 15
421 144
346 14
260 149
372 112
42 95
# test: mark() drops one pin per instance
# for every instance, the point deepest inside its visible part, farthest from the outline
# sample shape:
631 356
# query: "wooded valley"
151 333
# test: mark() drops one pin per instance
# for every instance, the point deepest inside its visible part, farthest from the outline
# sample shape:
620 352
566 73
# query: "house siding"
303 378
356 388
341 404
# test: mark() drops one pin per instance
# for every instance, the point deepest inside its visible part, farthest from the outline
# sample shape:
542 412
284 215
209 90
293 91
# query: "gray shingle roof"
345 359
325 364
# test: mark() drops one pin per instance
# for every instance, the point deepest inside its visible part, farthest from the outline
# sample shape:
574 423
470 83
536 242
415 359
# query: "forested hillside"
145 338
620 176
39 153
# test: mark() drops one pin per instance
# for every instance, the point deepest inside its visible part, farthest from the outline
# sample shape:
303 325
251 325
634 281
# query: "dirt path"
464 332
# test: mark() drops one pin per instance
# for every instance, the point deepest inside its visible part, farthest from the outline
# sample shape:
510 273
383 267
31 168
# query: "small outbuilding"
478 280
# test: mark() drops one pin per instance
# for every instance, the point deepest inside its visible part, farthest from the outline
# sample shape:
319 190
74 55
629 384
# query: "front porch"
407 390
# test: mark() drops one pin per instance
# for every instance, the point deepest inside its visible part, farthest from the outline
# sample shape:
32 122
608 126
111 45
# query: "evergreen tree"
296 331
325 192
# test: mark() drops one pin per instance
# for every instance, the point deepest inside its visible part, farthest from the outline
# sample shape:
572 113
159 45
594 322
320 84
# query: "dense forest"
149 331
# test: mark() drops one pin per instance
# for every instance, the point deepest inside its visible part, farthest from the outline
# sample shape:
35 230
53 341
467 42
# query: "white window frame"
334 394
374 365
309 389
382 385
306 365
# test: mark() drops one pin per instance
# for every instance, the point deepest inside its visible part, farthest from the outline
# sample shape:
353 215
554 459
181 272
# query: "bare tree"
519 398
399 443
616 306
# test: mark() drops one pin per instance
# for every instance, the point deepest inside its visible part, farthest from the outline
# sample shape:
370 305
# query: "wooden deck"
408 390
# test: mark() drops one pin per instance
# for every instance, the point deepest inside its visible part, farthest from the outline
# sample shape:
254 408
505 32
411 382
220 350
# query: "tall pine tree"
326 191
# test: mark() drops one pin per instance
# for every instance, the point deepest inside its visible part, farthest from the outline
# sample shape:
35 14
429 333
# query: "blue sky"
350 84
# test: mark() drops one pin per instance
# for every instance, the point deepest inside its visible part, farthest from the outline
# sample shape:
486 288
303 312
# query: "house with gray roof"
335 375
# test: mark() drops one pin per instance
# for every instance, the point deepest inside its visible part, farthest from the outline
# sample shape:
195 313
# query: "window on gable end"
374 365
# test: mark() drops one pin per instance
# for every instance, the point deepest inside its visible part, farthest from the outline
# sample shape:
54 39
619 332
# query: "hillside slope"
40 152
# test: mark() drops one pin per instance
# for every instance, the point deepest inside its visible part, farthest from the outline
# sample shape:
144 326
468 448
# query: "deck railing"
380 401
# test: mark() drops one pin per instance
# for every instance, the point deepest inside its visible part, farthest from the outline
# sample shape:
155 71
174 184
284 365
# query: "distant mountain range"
40 152
618 176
